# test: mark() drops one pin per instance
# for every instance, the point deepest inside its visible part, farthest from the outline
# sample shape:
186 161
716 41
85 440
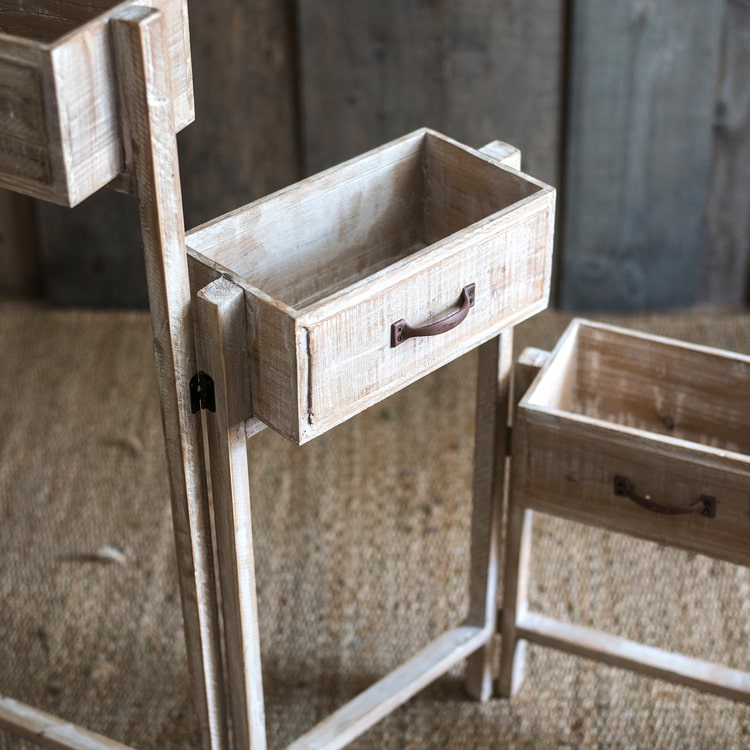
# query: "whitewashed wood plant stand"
640 435
456 249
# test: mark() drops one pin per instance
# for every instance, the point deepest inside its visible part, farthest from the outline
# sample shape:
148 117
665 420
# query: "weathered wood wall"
639 110
657 191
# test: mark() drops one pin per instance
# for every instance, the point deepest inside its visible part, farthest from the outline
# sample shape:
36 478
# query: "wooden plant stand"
444 250
639 435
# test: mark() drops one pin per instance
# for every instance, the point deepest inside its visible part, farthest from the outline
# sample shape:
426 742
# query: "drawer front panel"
352 363
570 472
23 145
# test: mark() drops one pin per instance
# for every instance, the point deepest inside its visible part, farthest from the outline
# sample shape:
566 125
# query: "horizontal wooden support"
48 731
620 652
396 688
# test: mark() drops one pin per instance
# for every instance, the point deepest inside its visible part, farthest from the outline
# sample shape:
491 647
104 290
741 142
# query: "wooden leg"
221 316
142 70
515 587
490 473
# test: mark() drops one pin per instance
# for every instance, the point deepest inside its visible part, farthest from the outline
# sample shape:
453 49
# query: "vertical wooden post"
493 402
142 69
221 321
493 396
517 553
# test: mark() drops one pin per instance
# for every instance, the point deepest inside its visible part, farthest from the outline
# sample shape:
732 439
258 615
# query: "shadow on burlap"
362 546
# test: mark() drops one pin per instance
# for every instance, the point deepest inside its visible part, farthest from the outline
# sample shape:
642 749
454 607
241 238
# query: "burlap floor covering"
362 550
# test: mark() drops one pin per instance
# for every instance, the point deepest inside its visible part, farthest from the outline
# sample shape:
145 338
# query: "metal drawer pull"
705 504
401 330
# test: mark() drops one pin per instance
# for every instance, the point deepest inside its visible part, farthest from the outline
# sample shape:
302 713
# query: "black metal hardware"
202 394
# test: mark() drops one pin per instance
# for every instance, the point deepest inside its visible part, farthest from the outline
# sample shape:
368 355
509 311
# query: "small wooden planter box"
60 132
329 265
627 431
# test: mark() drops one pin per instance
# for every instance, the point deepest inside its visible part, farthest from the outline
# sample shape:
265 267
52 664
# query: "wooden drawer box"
59 125
330 264
621 429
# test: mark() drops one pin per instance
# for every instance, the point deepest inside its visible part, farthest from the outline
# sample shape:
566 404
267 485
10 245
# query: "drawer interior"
658 385
40 21
325 233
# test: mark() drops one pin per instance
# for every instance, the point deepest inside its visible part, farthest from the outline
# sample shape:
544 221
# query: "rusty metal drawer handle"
401 330
705 504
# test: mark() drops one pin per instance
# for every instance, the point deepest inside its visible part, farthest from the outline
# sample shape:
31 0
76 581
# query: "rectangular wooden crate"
330 264
60 131
622 430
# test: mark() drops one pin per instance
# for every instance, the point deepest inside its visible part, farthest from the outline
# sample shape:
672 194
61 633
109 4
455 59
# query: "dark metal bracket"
202 393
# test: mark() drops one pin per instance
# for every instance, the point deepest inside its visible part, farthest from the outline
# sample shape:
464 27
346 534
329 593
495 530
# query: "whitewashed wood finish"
357 716
59 124
504 153
139 37
620 652
221 313
344 254
489 491
667 414
514 603
670 416
48 731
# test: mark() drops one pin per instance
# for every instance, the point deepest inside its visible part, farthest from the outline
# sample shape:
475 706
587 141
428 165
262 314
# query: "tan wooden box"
59 125
329 264
621 430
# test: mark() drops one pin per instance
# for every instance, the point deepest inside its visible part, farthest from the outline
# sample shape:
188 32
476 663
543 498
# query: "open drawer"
422 233
641 435
59 125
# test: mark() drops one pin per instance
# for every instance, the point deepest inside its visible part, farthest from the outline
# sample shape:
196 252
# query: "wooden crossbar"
621 652
370 706
48 731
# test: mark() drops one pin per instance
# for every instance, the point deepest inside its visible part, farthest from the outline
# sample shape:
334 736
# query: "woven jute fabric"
362 550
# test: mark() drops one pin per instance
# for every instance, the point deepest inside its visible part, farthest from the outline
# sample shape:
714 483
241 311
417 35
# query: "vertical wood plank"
375 69
19 264
140 56
490 473
221 314
244 143
91 254
726 278
643 76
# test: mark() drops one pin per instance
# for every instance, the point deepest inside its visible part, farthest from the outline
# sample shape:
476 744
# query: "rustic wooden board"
92 254
373 70
641 114
242 146
726 278
19 264
244 143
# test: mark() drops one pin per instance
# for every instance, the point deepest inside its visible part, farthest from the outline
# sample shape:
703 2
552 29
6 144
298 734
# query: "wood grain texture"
488 500
58 97
666 415
48 731
140 42
221 315
726 268
374 70
19 261
481 224
641 113
620 652
245 142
